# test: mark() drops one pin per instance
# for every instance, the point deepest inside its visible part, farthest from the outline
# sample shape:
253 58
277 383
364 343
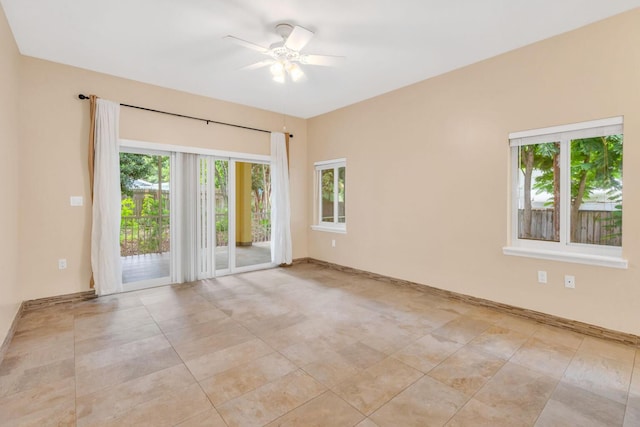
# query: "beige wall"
53 160
9 70
428 173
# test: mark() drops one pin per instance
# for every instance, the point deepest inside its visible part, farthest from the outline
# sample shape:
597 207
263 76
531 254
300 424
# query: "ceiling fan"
285 56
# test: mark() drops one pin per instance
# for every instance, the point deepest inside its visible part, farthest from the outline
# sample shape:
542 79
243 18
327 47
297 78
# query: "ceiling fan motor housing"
284 30
280 52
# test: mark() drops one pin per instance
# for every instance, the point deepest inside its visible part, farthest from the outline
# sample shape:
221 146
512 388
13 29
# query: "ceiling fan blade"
325 60
298 38
260 64
247 44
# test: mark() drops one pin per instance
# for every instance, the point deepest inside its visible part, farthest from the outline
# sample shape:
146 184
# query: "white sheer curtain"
105 231
281 252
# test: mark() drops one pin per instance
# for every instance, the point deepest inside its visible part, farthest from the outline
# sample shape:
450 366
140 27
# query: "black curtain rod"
207 121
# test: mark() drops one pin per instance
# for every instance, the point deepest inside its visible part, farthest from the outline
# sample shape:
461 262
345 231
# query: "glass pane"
253 214
341 200
596 190
144 227
538 188
326 180
221 181
203 219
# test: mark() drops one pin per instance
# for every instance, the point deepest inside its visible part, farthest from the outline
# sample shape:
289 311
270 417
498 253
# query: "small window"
331 190
567 193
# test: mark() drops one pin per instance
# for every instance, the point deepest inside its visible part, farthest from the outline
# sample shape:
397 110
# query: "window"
330 188
567 193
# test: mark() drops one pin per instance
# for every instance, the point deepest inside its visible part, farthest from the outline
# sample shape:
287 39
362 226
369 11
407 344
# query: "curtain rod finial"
82 96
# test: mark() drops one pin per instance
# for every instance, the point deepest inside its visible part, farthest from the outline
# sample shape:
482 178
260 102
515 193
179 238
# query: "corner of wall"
9 145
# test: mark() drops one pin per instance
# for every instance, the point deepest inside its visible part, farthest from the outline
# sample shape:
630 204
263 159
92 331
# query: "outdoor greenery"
261 187
145 212
139 166
327 177
261 201
596 164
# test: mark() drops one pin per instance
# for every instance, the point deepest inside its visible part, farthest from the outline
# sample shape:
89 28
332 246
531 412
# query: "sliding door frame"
145 147
234 269
174 252
207 263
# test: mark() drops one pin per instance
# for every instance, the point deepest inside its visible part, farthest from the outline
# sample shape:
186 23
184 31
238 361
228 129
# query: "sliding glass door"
213 254
221 210
145 226
189 216
253 215
234 224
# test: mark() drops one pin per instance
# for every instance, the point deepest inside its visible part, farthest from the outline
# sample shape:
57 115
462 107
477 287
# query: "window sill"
329 229
599 260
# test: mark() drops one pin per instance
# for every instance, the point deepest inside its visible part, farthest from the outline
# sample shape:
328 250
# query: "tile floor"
307 346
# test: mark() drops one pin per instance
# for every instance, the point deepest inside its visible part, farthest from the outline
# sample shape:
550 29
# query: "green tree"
327 184
546 159
158 163
221 179
596 164
150 227
260 187
527 159
133 167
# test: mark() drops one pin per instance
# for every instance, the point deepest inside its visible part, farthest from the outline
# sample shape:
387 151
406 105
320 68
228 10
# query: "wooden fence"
594 227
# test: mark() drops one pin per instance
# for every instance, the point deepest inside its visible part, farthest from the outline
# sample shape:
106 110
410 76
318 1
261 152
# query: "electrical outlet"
542 276
333 243
62 264
570 282
76 201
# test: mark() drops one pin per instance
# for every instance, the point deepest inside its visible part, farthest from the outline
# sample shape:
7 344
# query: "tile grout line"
328 390
398 393
575 353
186 367
506 361
303 403
633 372
298 368
153 321
474 393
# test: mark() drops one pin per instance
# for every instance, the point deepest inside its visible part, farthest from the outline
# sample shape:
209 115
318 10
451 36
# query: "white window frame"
335 226
564 250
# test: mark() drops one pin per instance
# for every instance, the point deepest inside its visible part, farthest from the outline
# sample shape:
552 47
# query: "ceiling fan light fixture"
277 69
295 72
285 55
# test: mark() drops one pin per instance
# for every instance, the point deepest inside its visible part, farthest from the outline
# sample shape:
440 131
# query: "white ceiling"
388 44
